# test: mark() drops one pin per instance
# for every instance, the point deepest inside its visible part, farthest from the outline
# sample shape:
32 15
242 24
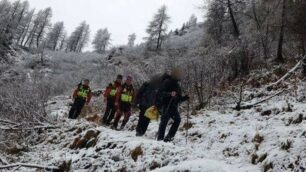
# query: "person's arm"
107 91
89 96
75 93
184 98
139 93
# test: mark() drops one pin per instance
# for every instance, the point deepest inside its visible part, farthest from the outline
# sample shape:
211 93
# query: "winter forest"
229 89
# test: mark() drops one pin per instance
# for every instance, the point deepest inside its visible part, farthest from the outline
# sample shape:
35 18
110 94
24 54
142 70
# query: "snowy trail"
196 159
218 141
113 144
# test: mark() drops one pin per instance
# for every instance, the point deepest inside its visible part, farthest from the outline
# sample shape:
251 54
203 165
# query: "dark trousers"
143 122
125 108
110 111
76 108
173 114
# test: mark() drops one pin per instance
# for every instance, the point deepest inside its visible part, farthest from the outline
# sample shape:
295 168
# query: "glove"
185 98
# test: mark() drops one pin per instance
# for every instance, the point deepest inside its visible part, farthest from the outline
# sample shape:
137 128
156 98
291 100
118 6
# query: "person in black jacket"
146 97
171 96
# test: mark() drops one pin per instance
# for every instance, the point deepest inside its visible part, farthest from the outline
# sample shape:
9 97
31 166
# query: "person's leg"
162 126
79 108
72 110
107 111
111 113
139 128
177 120
146 122
117 118
127 114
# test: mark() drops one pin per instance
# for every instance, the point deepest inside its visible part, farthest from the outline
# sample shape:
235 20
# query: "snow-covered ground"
269 137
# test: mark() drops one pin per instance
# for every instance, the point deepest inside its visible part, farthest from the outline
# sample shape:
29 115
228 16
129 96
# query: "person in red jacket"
81 96
123 102
109 97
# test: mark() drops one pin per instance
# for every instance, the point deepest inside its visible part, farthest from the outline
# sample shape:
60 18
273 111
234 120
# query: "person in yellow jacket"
123 102
81 96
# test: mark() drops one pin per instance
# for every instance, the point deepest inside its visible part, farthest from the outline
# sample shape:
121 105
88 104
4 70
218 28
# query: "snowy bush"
22 108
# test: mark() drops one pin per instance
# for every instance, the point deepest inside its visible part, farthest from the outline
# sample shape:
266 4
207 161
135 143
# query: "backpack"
148 93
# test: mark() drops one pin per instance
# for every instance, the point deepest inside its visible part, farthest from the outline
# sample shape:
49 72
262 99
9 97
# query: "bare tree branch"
29 166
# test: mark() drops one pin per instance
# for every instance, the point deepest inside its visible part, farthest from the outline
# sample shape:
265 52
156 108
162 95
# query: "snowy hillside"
268 137
242 69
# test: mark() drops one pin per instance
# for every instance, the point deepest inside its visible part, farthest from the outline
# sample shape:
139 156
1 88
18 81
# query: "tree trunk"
236 29
303 45
303 54
280 57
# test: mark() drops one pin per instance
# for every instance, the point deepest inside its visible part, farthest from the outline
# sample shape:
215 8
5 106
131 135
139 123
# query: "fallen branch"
33 128
7 122
30 166
249 106
286 76
3 161
270 87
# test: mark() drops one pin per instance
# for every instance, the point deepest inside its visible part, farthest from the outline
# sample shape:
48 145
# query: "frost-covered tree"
39 28
12 15
24 19
157 29
79 38
101 40
62 43
55 36
193 20
131 40
24 28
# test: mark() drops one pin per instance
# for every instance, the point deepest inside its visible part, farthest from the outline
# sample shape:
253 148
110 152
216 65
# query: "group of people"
163 92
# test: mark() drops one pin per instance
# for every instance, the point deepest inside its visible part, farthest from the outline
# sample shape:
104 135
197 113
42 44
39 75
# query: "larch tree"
79 38
157 29
193 20
102 40
55 36
24 29
39 28
44 23
131 40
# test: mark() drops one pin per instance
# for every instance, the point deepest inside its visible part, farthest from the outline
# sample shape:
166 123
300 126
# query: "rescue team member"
123 103
81 96
109 97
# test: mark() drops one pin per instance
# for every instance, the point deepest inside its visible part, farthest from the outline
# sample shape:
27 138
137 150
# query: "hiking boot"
139 134
113 127
121 128
168 140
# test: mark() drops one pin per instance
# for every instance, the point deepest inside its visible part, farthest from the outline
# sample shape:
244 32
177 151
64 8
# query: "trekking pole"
188 105
187 126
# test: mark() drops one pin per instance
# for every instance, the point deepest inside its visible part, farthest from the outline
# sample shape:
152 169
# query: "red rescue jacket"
112 86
